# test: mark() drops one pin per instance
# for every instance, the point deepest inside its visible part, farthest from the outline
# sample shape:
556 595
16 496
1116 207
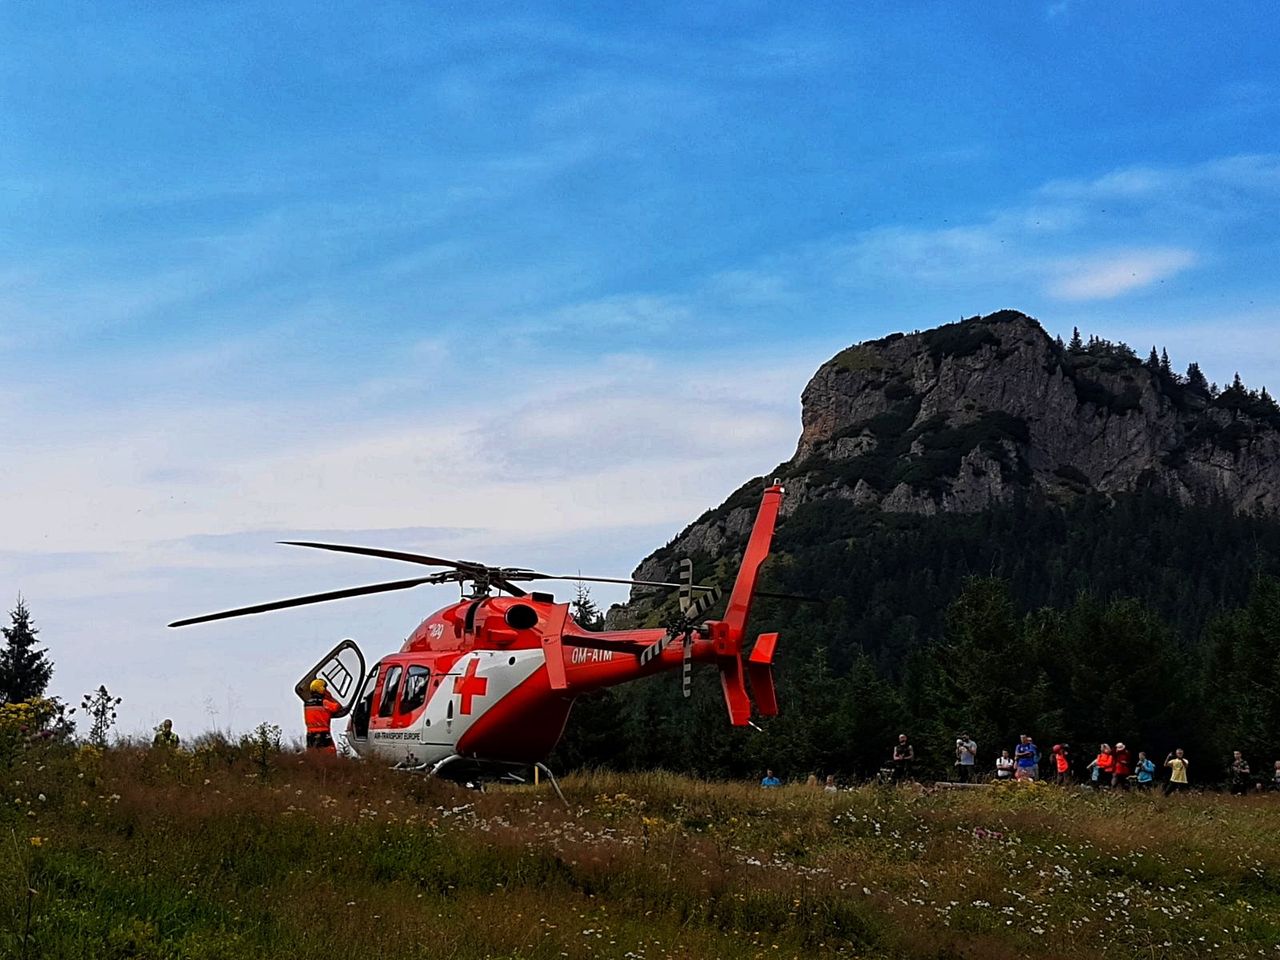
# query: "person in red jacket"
1101 766
1061 764
317 712
1121 766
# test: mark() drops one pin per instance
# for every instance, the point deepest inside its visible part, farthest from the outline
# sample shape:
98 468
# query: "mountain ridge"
989 411
976 414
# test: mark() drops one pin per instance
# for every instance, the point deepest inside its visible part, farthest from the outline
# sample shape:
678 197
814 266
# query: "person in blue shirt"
1146 769
770 780
1026 759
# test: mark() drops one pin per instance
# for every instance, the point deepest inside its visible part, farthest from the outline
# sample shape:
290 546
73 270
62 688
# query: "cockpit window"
389 688
415 689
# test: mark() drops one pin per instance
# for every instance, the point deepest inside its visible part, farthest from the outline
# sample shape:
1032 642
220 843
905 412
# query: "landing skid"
471 771
555 784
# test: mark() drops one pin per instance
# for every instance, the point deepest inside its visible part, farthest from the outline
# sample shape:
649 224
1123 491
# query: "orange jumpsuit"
317 712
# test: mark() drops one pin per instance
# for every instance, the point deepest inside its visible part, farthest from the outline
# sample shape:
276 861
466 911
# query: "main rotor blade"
530 575
697 587
799 598
312 598
387 554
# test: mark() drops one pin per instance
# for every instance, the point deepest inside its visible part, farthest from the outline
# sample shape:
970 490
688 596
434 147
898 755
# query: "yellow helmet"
318 686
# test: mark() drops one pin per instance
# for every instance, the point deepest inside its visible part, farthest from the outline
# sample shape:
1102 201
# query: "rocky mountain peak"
976 413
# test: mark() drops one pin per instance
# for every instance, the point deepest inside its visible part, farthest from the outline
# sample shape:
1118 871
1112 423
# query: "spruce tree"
1196 379
24 669
584 609
1153 361
1165 367
1076 344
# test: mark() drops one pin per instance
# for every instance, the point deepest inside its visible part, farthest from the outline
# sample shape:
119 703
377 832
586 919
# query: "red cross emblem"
469 685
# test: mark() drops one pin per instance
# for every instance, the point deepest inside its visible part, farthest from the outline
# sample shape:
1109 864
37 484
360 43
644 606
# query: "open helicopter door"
343 669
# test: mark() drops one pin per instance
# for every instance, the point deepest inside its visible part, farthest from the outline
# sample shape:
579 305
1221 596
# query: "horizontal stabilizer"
601 643
760 672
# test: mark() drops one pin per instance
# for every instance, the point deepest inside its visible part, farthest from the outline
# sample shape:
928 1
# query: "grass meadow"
211 853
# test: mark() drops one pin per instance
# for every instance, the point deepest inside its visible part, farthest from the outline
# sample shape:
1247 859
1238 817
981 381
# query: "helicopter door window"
415 689
390 686
364 707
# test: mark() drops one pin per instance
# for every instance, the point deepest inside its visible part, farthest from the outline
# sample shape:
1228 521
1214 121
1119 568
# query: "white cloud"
1083 239
1105 276
134 515
518 450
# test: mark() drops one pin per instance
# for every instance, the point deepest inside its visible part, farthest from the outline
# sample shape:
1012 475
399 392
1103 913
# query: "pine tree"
584 609
1153 361
1166 369
1076 344
24 669
1236 392
1196 379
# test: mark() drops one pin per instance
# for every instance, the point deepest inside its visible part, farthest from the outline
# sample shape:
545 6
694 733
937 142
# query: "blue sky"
539 283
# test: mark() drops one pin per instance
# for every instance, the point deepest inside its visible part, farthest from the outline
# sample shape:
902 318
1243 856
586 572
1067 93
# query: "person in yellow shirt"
1177 764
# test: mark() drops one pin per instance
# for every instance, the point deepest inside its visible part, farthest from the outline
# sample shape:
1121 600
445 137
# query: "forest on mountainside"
1134 618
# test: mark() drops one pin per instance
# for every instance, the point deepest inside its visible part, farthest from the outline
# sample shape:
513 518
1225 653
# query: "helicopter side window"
415 689
364 706
389 688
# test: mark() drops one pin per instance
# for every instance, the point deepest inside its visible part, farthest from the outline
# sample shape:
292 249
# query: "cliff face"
973 414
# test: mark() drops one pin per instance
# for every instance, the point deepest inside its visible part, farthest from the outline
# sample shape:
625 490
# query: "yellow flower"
38 841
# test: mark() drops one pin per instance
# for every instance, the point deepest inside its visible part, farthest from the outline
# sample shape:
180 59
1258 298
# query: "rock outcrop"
974 414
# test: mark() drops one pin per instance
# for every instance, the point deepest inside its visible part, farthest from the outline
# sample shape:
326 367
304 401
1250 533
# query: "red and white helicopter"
489 681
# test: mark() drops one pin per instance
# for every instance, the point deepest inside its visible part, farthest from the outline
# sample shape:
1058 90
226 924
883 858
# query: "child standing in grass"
1101 765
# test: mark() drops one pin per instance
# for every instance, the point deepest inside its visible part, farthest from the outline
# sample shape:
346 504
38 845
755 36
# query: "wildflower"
38 841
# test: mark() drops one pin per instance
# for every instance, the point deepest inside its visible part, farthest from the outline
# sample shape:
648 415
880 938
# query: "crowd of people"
1113 767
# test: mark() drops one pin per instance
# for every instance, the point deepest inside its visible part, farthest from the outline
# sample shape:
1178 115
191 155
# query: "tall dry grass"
153 854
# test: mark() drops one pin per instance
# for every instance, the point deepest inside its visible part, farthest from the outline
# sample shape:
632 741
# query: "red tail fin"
744 588
728 633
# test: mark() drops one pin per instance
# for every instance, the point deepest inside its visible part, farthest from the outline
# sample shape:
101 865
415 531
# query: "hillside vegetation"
1010 534
128 853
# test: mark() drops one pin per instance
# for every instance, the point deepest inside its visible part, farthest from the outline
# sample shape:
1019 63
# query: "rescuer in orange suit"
318 710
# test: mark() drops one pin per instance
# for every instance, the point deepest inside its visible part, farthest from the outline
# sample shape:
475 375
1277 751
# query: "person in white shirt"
966 757
1004 766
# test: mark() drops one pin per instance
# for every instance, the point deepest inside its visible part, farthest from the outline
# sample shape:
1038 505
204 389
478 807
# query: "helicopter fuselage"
467 683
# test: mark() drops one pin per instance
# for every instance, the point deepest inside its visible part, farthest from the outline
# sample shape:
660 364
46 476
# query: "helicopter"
486 684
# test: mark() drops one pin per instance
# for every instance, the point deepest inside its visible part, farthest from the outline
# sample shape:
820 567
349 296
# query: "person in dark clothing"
904 757
1239 774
